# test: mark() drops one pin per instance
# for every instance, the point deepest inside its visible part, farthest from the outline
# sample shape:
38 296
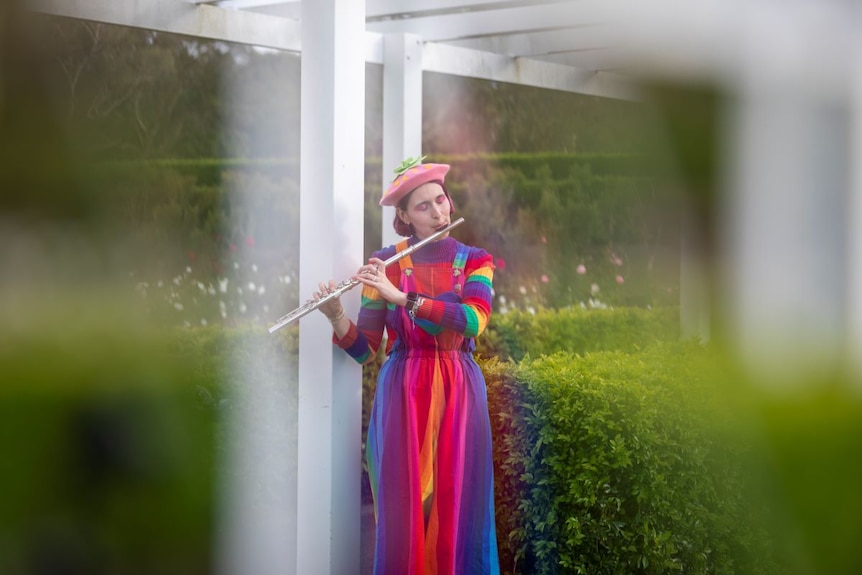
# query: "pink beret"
411 179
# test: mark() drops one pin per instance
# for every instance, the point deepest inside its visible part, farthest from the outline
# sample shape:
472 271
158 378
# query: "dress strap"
405 263
458 265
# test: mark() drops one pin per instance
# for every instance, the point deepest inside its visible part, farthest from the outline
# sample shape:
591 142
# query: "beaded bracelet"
337 318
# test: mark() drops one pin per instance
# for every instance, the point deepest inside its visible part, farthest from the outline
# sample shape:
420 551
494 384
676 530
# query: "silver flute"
347 285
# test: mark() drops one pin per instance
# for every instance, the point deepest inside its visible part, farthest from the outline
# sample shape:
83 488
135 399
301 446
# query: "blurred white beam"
489 66
806 43
377 9
854 223
247 4
531 44
447 27
291 10
181 17
783 231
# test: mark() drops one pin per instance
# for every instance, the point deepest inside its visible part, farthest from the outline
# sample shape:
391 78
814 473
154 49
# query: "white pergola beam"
376 9
607 60
489 66
181 17
536 44
248 4
449 27
853 285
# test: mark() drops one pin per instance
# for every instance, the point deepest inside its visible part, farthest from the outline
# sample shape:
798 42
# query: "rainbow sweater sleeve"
469 317
362 341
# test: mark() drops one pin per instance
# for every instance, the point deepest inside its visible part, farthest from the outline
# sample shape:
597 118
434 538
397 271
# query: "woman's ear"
402 215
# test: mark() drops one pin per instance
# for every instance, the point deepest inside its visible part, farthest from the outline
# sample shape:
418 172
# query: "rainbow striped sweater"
455 281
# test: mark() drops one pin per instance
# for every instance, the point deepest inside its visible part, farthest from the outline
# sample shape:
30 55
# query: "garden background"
134 271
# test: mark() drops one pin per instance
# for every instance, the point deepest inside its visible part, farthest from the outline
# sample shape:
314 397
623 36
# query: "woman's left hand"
373 274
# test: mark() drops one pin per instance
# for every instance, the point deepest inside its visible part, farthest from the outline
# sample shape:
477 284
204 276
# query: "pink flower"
544 240
501 264
620 279
582 269
249 241
232 247
545 279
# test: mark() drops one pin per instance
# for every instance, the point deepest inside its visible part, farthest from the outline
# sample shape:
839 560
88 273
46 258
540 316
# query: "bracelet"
337 318
411 300
415 307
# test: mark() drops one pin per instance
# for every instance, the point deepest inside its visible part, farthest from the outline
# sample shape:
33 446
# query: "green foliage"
520 334
187 226
619 463
812 472
109 460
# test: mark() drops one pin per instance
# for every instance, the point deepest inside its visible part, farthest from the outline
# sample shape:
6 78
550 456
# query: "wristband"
412 297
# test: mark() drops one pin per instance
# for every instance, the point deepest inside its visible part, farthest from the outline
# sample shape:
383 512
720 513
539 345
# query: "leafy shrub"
518 334
616 463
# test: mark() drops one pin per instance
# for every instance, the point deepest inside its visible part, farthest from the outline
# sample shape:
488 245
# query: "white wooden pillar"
402 111
782 227
853 219
332 139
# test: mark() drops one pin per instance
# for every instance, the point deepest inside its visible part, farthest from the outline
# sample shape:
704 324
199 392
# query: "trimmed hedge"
563 228
520 334
619 463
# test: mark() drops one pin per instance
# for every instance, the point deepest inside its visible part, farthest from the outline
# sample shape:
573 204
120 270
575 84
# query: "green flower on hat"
406 165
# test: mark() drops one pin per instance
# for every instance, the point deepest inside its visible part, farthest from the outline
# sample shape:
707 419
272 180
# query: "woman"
429 438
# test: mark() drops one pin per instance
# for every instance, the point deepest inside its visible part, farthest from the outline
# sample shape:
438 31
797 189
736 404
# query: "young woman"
429 437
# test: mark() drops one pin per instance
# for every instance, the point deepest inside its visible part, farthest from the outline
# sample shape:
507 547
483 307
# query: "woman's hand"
373 274
332 309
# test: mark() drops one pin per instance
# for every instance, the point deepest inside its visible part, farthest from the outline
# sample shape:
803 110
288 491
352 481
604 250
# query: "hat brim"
412 179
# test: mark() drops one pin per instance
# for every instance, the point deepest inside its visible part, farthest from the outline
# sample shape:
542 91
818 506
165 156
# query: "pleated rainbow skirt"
430 466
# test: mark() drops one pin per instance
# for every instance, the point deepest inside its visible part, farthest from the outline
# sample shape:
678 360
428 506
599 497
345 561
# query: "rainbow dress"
429 436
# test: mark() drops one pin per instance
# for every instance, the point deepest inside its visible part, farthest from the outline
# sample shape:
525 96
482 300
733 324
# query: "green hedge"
619 463
565 229
519 334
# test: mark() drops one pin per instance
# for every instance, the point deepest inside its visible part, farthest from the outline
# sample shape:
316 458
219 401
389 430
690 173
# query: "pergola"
790 244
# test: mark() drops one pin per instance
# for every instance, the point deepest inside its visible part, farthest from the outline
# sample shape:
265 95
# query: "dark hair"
406 230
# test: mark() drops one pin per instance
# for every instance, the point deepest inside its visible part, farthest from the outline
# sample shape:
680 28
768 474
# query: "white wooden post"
332 140
782 227
853 220
402 111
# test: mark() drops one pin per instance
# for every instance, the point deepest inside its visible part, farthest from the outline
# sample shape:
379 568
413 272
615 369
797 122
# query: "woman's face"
427 209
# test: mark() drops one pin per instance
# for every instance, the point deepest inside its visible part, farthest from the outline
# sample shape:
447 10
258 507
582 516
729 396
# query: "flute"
347 285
